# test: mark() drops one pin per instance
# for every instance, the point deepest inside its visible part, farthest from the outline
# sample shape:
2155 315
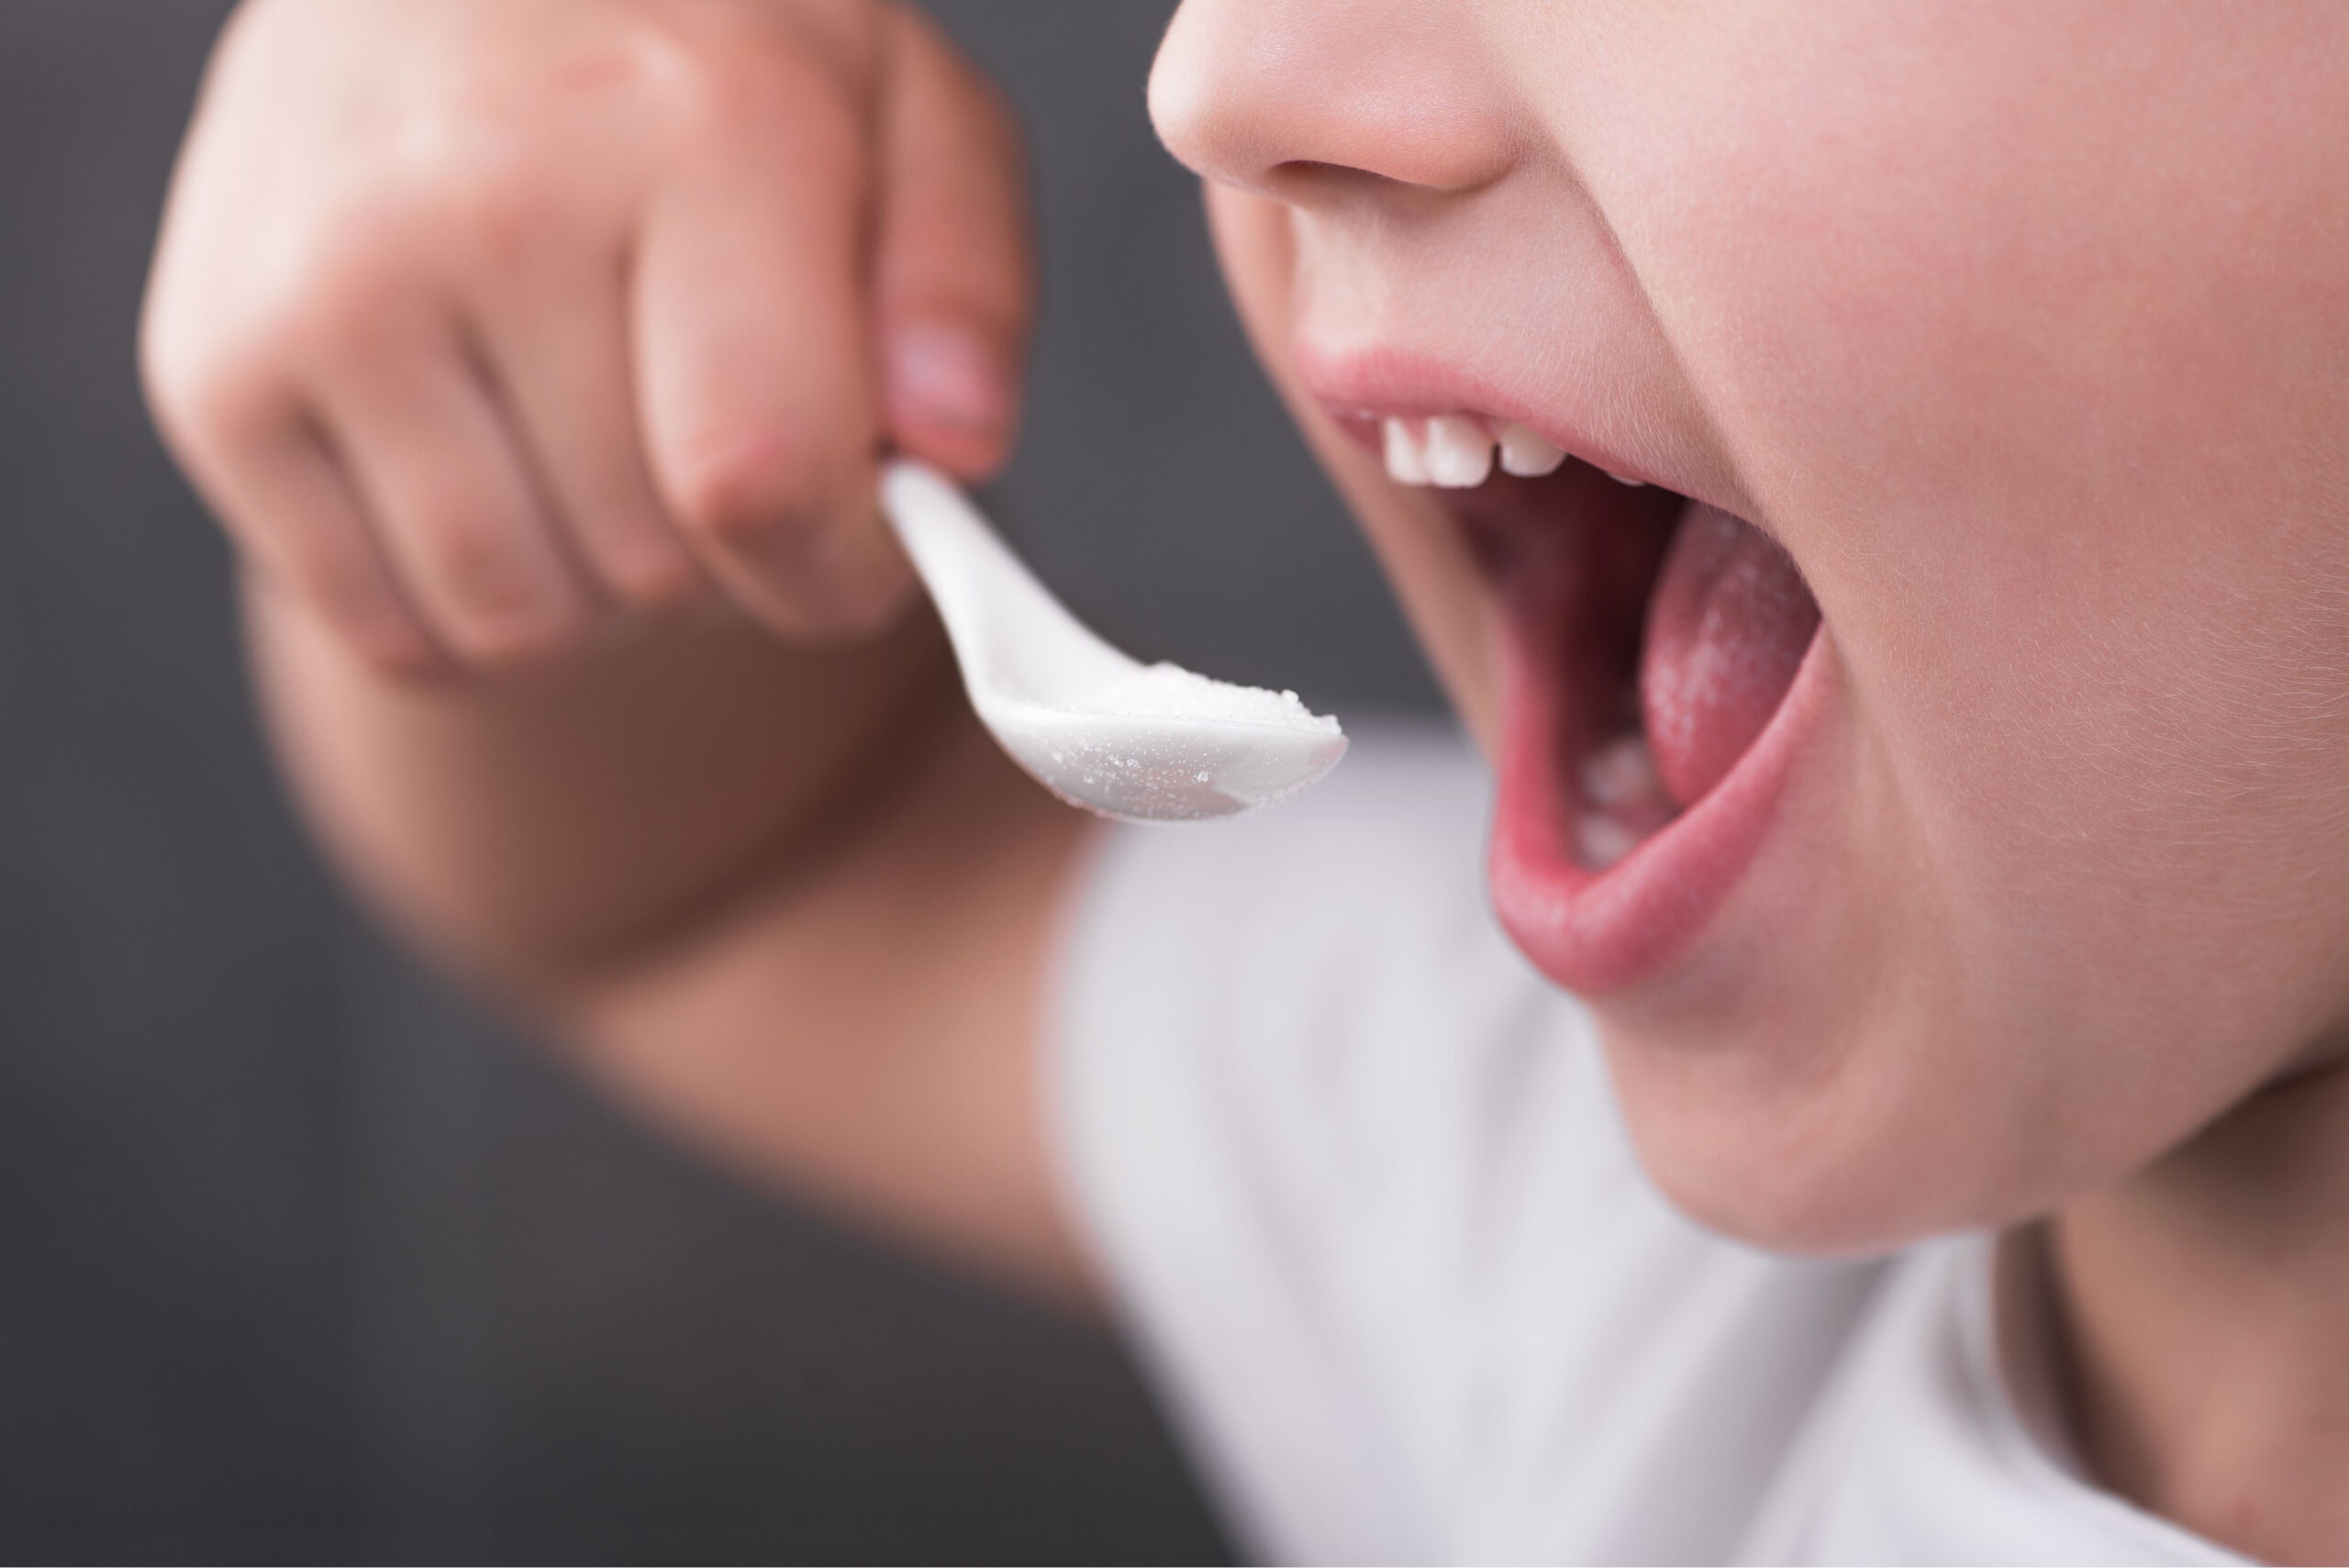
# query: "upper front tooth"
1526 454
1459 451
1407 455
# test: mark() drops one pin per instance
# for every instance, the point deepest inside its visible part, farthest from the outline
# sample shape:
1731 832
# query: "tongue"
1726 628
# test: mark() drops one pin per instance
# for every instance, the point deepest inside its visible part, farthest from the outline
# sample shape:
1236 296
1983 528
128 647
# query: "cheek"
2136 804
2050 415
2000 958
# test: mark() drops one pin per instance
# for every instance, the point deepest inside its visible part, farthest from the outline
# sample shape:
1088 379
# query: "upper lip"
1361 385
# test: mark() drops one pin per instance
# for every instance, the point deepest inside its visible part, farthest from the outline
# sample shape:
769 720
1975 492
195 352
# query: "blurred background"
300 1257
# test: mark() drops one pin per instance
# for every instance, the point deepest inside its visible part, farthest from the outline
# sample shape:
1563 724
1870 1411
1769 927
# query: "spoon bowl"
1141 742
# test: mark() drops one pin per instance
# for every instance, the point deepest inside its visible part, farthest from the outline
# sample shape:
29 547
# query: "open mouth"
1653 643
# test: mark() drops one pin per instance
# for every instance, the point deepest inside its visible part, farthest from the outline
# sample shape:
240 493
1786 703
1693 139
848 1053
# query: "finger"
273 481
559 354
451 498
955 284
754 377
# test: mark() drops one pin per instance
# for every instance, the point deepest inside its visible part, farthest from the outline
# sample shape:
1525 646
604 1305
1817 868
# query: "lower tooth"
1621 771
1600 841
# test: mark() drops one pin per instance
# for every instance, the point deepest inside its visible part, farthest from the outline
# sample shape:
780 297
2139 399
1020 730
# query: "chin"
1809 1075
1823 1192
1823 1168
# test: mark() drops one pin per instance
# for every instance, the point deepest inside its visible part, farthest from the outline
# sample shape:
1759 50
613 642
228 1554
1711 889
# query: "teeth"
1600 841
1634 483
1526 454
1457 451
1621 772
1406 458
1623 802
1460 451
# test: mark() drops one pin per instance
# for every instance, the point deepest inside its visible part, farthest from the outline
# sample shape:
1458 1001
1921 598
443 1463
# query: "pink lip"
1595 933
1359 387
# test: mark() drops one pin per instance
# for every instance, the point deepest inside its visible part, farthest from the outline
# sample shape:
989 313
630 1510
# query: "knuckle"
511 648
743 489
645 576
234 366
212 397
352 597
406 662
663 73
337 580
501 608
172 363
475 565
212 390
666 75
472 168
392 645
489 191
725 93
499 216
711 108
347 294
513 637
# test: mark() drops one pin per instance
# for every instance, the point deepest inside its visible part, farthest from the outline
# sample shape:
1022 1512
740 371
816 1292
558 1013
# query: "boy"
1923 781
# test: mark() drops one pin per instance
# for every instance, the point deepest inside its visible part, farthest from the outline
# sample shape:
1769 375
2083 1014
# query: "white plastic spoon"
1147 743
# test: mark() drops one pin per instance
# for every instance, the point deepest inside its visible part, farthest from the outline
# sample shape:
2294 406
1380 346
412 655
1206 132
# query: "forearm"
797 906
530 830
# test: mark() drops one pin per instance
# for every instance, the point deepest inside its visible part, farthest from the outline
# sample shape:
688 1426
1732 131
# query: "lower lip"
1602 932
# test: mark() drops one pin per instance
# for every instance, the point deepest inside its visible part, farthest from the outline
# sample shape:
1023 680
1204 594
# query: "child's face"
2024 328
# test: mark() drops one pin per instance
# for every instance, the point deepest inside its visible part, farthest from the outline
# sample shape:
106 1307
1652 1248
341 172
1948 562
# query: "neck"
2202 1309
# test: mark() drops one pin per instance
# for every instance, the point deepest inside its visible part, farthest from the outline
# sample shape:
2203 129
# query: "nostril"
1315 183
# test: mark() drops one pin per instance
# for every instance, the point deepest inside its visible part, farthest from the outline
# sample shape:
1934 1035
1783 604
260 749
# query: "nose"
1293 98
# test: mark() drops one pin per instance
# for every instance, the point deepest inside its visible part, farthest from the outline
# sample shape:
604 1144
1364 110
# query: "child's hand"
481 322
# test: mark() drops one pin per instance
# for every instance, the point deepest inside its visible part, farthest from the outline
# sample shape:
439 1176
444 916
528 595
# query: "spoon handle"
1001 620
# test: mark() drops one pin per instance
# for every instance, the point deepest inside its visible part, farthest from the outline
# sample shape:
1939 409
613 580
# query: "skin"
537 354
2024 331
2023 336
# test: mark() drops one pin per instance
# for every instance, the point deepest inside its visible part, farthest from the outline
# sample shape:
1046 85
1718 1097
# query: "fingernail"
948 375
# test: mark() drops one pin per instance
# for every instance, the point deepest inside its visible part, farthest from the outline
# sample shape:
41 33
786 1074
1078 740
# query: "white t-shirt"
1354 1171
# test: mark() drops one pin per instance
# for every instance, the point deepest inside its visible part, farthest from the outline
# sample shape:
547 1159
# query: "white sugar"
1169 691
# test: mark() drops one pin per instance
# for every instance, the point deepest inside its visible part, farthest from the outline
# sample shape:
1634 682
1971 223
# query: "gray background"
300 1258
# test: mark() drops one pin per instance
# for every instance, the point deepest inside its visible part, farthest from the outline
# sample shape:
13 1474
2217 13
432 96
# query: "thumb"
955 274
